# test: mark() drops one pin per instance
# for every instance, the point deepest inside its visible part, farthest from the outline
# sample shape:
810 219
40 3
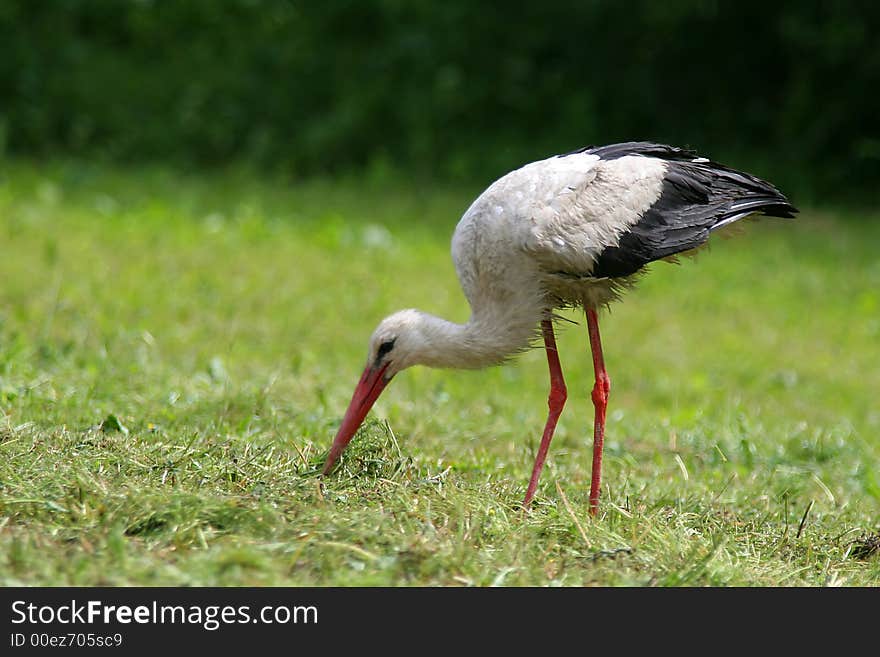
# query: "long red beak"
368 389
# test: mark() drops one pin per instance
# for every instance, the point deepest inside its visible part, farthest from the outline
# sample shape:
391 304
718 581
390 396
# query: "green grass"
176 351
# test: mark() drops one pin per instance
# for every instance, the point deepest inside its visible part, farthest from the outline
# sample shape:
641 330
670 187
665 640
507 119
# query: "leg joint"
558 395
601 389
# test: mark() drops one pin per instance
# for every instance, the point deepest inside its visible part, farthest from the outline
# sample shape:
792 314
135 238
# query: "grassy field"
176 351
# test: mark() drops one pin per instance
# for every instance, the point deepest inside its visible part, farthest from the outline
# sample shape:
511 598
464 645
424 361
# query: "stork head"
399 341
395 345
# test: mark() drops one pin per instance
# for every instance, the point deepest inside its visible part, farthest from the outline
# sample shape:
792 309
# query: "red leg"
556 401
600 401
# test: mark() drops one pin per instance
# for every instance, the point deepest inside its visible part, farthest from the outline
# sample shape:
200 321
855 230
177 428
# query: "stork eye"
385 347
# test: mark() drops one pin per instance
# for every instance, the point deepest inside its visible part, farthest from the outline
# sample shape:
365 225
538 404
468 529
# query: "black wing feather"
698 195
645 148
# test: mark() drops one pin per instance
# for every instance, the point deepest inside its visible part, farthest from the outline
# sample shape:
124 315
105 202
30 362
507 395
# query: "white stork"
572 230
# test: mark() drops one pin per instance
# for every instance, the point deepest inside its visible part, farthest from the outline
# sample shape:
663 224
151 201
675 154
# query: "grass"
176 351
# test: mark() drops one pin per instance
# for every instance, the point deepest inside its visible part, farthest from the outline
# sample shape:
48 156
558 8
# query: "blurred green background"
451 90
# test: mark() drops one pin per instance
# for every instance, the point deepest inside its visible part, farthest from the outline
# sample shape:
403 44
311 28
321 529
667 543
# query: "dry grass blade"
804 519
577 523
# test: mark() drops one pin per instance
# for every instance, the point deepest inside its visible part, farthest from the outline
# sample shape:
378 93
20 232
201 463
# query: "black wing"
698 196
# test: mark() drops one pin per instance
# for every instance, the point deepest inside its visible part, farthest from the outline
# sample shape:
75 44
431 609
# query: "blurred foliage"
451 89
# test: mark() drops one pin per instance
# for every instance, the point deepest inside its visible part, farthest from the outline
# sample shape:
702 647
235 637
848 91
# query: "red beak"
368 389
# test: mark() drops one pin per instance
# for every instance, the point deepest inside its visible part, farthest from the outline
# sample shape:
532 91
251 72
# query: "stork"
571 230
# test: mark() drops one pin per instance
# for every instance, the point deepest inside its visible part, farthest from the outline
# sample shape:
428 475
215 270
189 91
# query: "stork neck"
484 340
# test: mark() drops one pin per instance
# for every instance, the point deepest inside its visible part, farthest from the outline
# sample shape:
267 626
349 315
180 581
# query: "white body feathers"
552 215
